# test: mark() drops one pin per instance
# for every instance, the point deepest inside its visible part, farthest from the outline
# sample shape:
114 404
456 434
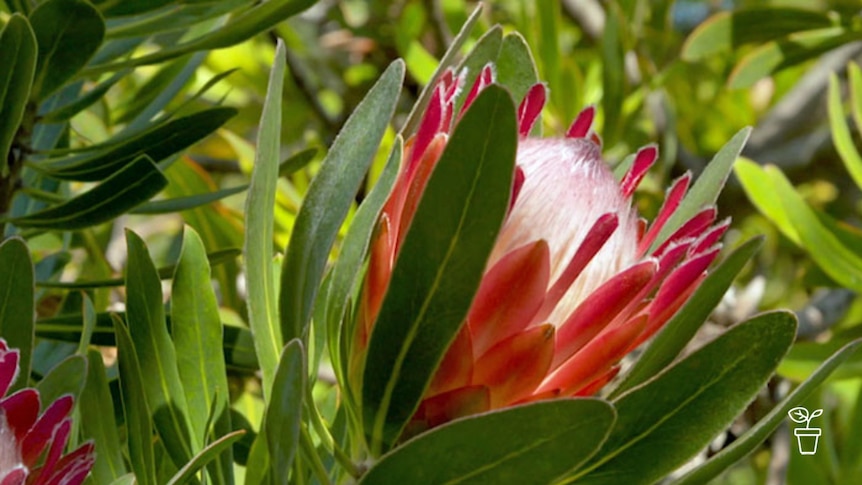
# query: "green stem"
313 458
327 439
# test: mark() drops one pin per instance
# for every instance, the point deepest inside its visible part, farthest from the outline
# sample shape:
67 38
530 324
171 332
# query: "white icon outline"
803 435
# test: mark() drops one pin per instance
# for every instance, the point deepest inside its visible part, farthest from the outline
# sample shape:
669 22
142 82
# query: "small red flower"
31 446
573 283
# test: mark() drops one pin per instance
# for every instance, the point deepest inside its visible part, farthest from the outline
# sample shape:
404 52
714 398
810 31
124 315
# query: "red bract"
576 279
31 446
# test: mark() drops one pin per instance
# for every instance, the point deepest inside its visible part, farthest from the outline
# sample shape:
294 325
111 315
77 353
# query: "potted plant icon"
806 437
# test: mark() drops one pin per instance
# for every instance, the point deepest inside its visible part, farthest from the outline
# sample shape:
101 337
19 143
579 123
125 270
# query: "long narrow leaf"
258 246
441 262
329 198
147 326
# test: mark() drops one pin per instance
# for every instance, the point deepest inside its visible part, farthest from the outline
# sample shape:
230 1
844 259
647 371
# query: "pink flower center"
567 187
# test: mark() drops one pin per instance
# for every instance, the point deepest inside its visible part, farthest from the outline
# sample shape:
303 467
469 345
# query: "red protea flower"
573 283
31 446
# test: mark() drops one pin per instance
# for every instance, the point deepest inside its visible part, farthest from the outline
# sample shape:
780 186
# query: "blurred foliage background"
685 75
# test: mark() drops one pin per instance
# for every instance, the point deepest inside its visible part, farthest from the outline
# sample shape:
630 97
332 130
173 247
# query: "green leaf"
486 51
758 186
67 377
804 357
446 62
131 7
128 187
789 51
247 24
68 33
516 68
663 423
97 419
178 204
534 443
284 410
18 58
454 230
705 190
88 314
684 325
139 426
258 246
841 263
841 137
158 143
197 337
727 31
347 268
296 162
329 198
752 439
17 304
158 360
176 18
68 110
214 450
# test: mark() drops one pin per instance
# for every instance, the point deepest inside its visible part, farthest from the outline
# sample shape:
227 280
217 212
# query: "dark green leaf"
160 378
68 33
18 58
178 204
130 186
705 190
139 425
454 229
17 304
258 246
284 410
97 421
67 377
726 31
158 143
663 423
535 443
789 51
684 325
197 337
260 18
329 198
758 433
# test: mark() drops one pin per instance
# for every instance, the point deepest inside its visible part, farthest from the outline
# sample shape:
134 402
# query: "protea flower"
573 283
31 446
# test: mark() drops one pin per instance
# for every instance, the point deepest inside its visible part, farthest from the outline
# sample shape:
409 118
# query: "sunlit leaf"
258 247
841 137
726 31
